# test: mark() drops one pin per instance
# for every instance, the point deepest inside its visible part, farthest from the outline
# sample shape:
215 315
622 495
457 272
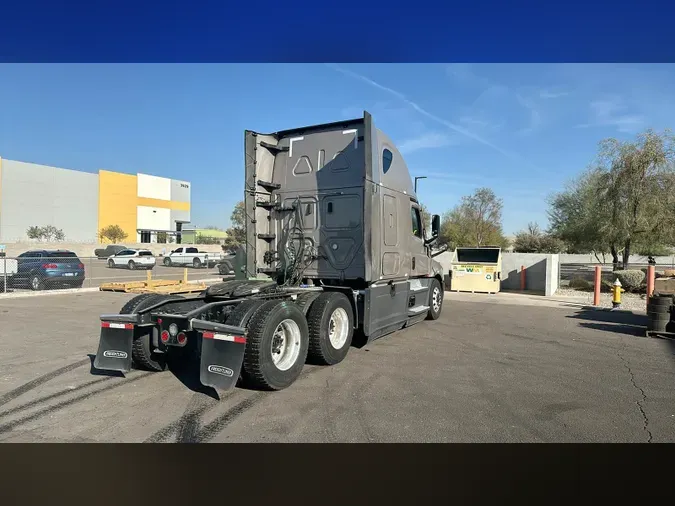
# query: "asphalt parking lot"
97 272
483 372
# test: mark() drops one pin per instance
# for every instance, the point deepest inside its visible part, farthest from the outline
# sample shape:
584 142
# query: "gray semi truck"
335 245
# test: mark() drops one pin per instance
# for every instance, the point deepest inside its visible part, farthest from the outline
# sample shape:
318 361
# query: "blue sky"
523 130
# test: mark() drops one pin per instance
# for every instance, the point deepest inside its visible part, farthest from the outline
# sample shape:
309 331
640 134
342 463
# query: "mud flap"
221 360
114 347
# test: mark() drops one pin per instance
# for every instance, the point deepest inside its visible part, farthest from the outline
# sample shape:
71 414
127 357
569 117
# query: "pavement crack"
639 403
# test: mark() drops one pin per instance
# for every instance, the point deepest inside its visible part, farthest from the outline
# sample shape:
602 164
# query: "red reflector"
165 336
159 320
239 339
207 335
112 325
182 338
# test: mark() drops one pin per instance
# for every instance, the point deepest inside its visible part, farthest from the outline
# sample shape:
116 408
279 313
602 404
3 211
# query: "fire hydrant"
616 294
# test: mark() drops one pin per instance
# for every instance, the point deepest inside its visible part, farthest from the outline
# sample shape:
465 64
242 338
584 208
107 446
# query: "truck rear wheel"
331 328
435 300
276 345
141 351
167 262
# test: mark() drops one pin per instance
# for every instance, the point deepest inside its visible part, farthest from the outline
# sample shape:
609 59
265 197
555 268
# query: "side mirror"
435 225
435 230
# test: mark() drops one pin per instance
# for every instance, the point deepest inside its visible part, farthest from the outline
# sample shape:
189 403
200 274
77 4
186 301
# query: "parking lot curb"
70 291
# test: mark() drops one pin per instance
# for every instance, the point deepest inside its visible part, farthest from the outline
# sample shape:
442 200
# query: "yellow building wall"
117 202
164 204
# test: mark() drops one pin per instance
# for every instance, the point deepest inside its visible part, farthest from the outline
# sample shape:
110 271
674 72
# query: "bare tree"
476 221
113 233
46 233
625 201
236 234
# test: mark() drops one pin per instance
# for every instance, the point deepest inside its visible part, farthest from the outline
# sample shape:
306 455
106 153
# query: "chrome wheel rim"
436 300
35 283
338 328
285 345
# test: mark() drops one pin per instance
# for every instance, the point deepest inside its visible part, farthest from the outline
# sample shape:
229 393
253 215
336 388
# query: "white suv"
132 259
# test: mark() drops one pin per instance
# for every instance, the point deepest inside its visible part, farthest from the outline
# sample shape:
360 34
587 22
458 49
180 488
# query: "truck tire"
276 346
141 352
435 300
225 268
240 315
331 328
167 262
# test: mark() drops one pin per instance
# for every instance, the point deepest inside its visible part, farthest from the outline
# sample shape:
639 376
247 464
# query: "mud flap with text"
221 360
114 347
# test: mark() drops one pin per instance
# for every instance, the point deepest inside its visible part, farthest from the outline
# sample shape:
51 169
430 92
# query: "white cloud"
548 94
428 140
493 96
534 115
450 125
611 111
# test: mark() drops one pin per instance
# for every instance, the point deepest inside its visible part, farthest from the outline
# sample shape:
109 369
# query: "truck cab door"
420 263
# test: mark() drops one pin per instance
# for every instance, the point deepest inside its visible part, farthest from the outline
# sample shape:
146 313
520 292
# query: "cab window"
416 222
387 158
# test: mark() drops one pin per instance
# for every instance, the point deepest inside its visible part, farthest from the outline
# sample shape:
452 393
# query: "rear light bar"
112 325
224 337
50 266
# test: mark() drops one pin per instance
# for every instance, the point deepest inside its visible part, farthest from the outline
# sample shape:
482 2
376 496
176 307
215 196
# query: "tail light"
165 336
50 266
80 266
182 338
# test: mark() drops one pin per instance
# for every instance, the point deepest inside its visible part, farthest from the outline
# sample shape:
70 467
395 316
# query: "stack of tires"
659 308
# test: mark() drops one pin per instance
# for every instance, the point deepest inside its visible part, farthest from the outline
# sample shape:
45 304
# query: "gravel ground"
629 301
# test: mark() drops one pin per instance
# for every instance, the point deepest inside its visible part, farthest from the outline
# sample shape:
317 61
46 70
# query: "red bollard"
522 278
651 274
596 285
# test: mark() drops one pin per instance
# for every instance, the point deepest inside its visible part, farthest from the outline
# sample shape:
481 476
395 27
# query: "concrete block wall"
542 272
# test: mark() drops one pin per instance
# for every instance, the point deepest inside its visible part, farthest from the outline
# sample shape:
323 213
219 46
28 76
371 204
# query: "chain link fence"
65 270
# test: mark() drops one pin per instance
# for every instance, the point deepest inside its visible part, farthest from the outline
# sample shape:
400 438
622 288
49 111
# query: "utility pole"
416 178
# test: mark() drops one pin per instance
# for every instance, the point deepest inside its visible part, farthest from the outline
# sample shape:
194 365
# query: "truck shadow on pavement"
623 322
99 372
187 372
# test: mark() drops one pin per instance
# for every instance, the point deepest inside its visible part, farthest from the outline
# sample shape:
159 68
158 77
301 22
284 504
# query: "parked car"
8 269
193 257
132 259
41 269
111 249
